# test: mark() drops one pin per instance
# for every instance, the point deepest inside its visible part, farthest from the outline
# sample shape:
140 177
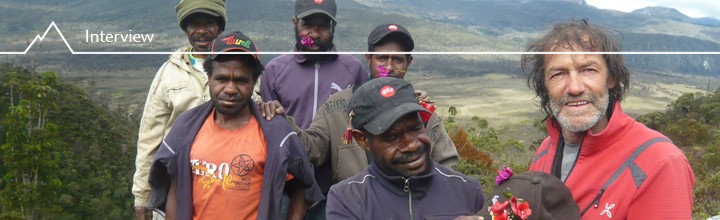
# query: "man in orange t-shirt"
219 161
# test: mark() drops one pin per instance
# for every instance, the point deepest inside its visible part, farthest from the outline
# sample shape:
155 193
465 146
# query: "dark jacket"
285 154
441 194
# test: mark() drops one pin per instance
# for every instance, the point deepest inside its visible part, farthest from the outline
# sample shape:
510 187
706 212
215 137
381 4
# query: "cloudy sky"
692 8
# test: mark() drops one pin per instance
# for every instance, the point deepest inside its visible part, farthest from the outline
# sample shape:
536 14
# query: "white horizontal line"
53 25
362 53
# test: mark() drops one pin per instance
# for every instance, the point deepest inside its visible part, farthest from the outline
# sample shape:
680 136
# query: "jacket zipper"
595 203
315 101
407 190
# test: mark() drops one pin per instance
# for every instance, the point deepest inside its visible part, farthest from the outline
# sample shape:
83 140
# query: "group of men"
345 147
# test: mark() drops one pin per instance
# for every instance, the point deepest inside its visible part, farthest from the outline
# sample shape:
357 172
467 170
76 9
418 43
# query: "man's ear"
360 139
409 61
611 83
368 57
294 21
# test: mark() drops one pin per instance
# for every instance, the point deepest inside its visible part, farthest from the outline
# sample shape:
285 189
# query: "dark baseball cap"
233 41
547 196
391 30
378 103
303 8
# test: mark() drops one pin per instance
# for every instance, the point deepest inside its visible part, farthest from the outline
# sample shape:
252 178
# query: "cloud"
692 8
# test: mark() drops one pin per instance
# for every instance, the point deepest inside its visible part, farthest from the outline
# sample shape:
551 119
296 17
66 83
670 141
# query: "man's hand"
143 213
423 96
270 109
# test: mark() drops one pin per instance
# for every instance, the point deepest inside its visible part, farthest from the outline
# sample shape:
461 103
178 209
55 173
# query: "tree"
63 156
28 153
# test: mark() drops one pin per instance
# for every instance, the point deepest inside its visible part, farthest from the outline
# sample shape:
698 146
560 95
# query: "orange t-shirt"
227 168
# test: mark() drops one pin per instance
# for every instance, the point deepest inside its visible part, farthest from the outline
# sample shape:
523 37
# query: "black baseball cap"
391 30
304 8
233 41
378 103
547 196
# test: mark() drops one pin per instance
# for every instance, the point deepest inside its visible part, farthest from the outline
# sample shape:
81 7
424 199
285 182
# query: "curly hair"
573 35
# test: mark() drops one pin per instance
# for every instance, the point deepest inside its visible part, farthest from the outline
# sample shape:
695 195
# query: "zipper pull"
407 185
317 65
597 199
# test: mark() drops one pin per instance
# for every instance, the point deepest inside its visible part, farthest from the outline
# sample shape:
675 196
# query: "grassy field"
506 101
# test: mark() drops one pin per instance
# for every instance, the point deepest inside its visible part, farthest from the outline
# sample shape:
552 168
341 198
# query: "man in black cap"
326 132
180 84
239 165
303 82
402 181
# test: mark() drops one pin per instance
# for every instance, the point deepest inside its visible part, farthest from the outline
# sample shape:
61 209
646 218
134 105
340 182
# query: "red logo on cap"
392 27
387 91
318 1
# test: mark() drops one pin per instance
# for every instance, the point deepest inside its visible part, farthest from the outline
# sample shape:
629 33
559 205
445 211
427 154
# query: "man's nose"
409 143
575 84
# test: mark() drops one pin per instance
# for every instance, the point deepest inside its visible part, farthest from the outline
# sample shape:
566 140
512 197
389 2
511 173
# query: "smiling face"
578 85
402 150
201 30
231 84
397 64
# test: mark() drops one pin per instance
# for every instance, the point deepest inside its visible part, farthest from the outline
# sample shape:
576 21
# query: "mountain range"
448 25
674 14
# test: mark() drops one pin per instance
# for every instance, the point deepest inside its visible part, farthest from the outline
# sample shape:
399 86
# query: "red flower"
497 211
424 115
520 208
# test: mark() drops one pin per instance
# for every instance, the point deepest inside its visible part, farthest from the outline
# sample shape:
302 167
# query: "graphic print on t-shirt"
227 169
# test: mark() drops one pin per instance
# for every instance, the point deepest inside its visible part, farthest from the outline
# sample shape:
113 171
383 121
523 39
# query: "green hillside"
65 154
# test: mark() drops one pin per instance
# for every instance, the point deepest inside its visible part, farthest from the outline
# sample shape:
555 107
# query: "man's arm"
443 149
156 113
316 138
297 206
171 205
336 208
666 193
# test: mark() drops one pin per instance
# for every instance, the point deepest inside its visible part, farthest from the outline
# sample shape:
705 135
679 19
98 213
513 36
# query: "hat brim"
255 56
406 40
381 123
314 11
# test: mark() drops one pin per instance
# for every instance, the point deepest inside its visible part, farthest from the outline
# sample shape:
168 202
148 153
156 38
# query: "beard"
322 45
580 121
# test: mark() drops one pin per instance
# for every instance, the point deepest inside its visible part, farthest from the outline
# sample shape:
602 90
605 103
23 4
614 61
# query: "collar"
618 125
301 58
418 185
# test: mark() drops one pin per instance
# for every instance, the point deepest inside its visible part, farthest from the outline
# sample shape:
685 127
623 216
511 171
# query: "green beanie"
212 7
